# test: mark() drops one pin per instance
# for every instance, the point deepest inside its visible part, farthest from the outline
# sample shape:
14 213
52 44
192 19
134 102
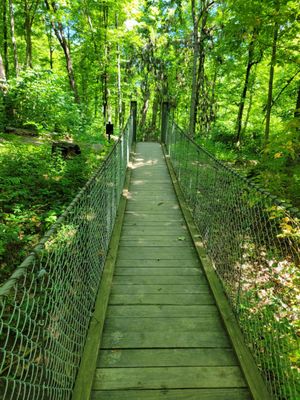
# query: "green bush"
42 99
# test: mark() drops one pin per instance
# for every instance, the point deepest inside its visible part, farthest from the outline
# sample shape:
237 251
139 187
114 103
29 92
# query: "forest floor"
35 188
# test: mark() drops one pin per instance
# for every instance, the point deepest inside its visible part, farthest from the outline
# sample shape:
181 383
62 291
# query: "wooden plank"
168 377
154 242
253 377
159 262
162 298
175 394
162 311
166 358
143 289
155 223
148 231
146 253
161 206
207 323
158 271
167 339
84 380
139 219
178 236
154 280
167 192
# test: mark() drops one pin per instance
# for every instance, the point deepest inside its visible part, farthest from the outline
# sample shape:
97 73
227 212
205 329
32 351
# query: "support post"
164 121
133 114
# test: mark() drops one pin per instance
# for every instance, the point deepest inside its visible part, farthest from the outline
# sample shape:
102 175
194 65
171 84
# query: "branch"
289 81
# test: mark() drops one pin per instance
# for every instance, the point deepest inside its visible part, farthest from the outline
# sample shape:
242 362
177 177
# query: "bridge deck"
163 336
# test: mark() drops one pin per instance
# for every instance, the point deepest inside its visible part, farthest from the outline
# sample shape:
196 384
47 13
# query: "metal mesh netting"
46 305
254 242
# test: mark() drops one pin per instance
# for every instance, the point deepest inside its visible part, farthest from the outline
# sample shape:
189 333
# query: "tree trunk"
119 102
5 39
155 108
271 78
297 111
196 52
244 130
13 38
144 110
250 64
2 71
28 39
105 74
198 75
60 34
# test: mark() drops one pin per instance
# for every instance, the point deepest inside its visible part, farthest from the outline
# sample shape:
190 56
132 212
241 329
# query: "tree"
13 37
200 14
60 34
271 75
30 9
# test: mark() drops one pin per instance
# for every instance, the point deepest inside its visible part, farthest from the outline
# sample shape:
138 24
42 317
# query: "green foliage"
35 188
40 99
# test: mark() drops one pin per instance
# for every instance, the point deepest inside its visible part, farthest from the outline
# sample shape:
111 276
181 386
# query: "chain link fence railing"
46 305
253 240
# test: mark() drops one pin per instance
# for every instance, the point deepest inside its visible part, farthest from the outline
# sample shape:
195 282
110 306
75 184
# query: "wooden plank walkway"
163 336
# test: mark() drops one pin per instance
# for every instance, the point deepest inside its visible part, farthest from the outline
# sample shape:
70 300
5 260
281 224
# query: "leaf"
181 238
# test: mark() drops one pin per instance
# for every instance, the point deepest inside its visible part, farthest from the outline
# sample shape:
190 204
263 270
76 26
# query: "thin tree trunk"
271 78
60 34
196 52
105 74
198 75
50 44
297 111
155 108
5 39
2 71
250 64
13 37
28 39
119 102
144 110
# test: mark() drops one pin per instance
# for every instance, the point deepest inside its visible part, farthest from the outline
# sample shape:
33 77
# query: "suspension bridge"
169 276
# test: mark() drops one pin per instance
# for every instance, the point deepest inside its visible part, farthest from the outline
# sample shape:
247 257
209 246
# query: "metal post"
133 113
164 121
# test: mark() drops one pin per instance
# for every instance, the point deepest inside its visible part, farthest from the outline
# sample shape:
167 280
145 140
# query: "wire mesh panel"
254 241
46 305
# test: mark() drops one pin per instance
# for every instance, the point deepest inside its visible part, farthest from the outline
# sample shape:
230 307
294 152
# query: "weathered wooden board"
149 231
166 358
154 280
162 298
162 311
167 339
160 206
173 394
159 262
208 323
143 289
158 271
146 253
154 242
168 377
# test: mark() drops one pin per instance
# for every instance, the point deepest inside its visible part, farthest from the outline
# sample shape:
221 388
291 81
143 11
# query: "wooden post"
133 113
164 121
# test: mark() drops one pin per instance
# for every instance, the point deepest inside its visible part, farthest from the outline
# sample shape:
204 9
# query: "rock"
66 149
